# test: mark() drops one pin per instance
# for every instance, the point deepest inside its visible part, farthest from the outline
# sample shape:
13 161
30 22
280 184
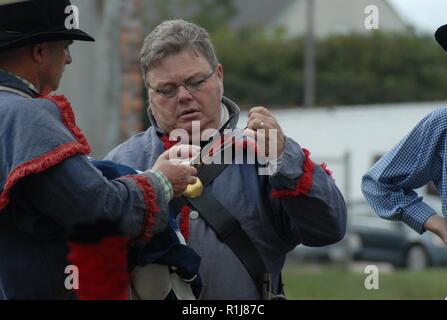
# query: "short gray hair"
172 37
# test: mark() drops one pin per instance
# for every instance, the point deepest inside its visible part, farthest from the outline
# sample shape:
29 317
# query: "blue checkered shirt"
416 160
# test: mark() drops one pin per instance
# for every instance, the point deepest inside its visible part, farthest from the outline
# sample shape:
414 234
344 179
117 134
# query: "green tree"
351 69
267 68
210 14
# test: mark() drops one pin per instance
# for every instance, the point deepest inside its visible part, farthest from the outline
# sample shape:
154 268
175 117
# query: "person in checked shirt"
421 157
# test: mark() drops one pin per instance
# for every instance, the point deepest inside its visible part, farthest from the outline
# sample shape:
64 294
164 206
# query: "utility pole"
309 57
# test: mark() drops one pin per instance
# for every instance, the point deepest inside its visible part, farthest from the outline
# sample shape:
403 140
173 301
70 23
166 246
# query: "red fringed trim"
184 221
168 144
99 279
68 118
304 184
151 206
39 165
326 169
52 158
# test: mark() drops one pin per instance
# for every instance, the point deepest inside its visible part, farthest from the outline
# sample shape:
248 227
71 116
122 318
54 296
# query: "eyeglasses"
171 90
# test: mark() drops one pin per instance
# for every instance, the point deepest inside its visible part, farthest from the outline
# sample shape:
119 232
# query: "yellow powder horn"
194 190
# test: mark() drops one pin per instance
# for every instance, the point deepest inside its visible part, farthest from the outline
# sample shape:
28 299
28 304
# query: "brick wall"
131 39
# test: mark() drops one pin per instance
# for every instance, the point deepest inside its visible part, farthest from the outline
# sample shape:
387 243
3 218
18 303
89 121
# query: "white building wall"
363 131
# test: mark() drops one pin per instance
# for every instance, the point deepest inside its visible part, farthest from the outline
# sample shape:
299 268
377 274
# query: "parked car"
372 238
394 242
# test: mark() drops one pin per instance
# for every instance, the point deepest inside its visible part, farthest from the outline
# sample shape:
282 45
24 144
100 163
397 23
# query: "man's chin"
187 122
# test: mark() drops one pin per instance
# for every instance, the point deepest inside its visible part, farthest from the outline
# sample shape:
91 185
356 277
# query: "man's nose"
183 94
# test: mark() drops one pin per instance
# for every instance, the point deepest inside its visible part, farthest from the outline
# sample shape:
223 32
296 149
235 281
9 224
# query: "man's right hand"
179 173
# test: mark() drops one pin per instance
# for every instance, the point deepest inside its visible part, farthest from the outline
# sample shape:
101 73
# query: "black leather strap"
209 172
229 230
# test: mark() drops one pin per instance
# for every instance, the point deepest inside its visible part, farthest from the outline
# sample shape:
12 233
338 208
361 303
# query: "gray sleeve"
75 192
308 199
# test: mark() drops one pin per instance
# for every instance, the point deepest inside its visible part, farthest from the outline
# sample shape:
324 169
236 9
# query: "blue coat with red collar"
47 186
299 204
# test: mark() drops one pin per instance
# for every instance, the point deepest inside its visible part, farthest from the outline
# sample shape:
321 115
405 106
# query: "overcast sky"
425 15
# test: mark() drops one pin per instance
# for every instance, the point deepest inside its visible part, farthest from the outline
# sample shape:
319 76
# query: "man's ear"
220 72
39 52
220 75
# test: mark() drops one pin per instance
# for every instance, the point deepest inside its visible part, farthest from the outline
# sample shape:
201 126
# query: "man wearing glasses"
298 204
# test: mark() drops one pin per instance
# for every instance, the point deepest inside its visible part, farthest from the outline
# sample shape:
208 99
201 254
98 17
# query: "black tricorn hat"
30 22
441 36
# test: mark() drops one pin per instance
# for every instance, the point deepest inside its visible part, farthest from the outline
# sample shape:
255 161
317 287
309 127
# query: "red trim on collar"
167 143
184 221
304 184
151 207
328 171
68 118
53 157
184 215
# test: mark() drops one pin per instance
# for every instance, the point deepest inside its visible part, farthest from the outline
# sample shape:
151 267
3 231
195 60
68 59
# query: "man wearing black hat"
47 185
420 158
39 26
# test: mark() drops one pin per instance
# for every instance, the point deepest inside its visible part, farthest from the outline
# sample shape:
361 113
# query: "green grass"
336 284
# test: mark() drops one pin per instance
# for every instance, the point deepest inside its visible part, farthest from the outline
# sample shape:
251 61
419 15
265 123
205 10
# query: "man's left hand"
261 118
